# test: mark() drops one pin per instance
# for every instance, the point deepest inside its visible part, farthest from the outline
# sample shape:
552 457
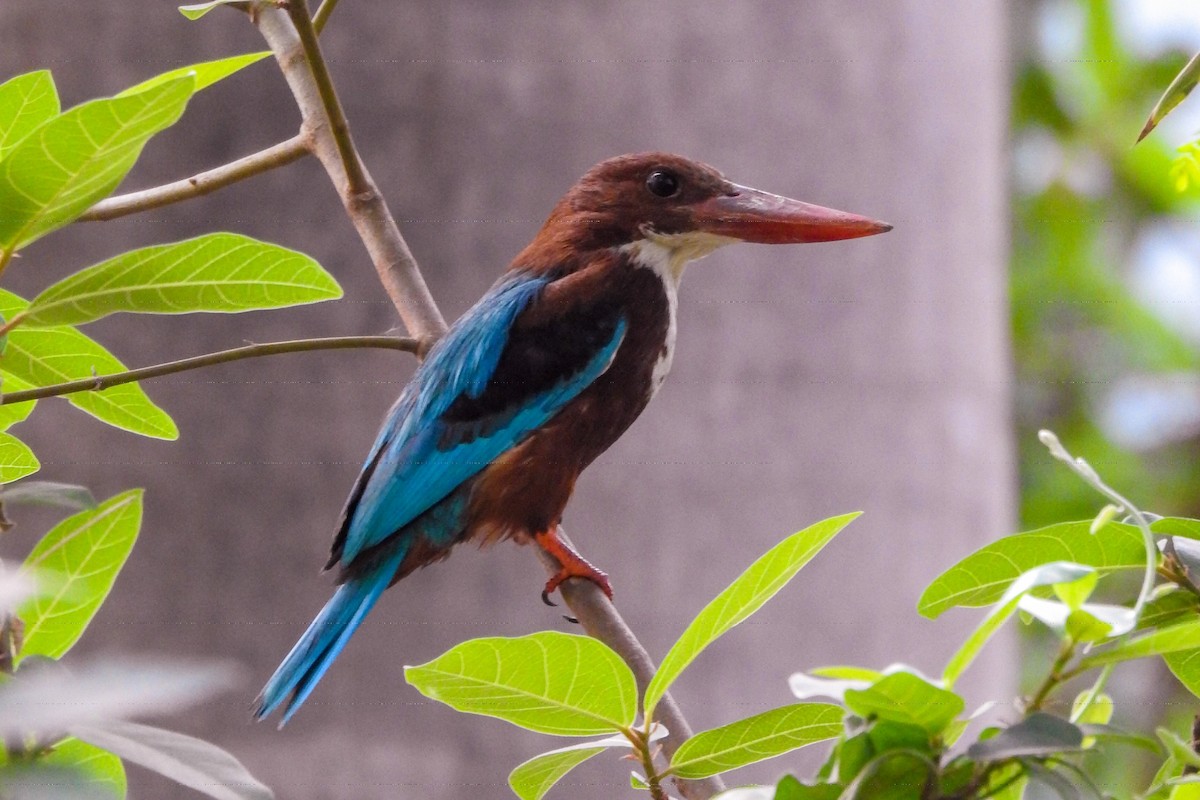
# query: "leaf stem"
356 179
201 183
210 359
1054 678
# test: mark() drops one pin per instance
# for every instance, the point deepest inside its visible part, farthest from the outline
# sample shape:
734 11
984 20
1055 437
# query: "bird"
535 381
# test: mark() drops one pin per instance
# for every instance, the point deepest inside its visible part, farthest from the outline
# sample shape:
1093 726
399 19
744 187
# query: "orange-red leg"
572 565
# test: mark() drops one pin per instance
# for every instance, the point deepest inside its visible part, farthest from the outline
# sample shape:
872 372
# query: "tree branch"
210 359
367 210
406 287
200 184
601 620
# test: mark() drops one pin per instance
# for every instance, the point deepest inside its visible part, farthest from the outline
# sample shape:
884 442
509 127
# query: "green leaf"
1038 735
16 459
55 173
533 778
847 673
46 356
12 413
86 551
758 584
1046 574
48 493
1098 711
1185 636
198 10
756 738
980 578
26 102
205 73
1180 87
220 272
1185 666
548 682
103 771
186 760
1177 526
908 698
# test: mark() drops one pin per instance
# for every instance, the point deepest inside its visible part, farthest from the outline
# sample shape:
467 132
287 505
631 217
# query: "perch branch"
367 209
211 359
200 184
406 287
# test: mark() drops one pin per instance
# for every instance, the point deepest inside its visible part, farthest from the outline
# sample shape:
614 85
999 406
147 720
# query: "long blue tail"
297 676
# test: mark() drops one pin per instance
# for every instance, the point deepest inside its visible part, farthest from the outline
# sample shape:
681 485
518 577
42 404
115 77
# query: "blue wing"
457 415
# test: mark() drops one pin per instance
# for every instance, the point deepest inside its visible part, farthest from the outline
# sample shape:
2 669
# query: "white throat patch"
666 254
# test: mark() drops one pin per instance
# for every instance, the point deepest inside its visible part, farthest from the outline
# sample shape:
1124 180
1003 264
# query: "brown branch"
367 210
601 620
356 180
406 287
210 359
200 184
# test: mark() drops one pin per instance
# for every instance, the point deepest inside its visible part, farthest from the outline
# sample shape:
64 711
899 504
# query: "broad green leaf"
758 584
101 770
1185 665
1169 608
1098 711
86 551
205 73
981 578
26 101
198 10
186 760
847 673
905 697
533 778
12 413
1184 636
47 356
219 272
548 682
756 738
49 700
1038 735
16 459
55 173
1180 87
49 493
1177 526
1044 575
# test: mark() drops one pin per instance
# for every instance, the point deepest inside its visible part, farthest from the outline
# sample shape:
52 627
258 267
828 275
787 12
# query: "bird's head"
680 208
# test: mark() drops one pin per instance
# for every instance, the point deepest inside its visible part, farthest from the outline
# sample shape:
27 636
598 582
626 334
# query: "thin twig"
367 211
322 16
200 184
100 382
356 180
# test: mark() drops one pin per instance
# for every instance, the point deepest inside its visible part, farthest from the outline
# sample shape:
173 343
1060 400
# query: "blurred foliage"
1083 196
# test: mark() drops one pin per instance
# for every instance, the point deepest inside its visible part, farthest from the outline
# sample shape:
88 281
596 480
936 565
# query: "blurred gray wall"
809 381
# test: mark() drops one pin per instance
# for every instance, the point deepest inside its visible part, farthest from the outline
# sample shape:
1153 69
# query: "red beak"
755 216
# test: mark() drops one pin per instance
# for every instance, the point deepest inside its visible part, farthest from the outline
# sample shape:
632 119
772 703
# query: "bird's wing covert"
484 387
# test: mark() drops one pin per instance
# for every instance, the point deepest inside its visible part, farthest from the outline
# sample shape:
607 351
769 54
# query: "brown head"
683 205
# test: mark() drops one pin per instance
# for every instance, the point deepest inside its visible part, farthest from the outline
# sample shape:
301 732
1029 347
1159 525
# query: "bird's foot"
572 565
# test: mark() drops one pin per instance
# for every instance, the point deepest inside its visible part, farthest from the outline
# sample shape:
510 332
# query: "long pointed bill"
755 216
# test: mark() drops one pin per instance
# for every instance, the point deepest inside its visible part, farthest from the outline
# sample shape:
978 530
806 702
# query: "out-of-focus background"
1041 274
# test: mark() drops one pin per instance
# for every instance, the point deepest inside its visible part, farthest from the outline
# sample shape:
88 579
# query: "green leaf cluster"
568 685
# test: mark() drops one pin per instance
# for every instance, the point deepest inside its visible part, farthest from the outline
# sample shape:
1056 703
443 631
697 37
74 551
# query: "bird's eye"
662 183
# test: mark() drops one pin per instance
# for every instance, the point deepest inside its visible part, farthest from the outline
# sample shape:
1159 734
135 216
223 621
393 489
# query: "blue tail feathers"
303 667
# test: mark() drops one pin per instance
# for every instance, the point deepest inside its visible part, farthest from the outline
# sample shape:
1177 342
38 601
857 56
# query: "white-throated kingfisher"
535 381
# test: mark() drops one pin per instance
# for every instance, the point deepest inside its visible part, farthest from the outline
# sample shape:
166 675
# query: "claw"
572 564
546 599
